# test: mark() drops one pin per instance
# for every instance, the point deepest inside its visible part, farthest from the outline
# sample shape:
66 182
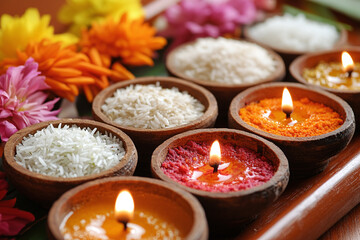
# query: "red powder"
240 168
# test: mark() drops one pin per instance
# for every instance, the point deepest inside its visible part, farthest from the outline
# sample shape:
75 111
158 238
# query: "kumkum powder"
240 168
307 119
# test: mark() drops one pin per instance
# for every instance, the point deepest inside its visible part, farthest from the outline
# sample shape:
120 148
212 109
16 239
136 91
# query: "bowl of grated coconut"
225 66
294 35
46 159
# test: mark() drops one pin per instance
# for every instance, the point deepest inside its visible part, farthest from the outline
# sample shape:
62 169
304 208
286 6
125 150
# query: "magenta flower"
204 18
22 100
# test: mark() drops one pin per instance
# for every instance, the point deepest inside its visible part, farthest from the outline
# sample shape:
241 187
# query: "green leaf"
36 232
295 11
350 8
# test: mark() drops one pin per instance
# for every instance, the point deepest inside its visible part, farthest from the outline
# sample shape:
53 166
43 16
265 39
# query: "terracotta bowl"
307 155
224 93
150 194
153 137
46 189
227 211
289 55
311 60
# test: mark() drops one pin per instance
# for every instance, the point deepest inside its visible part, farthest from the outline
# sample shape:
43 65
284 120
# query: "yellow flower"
16 32
82 13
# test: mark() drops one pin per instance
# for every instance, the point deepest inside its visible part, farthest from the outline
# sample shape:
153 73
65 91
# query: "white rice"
69 151
225 61
152 107
289 32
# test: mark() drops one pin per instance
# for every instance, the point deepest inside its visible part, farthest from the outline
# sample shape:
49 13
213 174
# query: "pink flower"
204 18
265 4
12 220
21 99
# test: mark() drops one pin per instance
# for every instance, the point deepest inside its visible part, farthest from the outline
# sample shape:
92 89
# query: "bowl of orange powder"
315 128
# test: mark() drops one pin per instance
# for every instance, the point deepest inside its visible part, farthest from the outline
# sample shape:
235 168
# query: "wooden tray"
309 207
306 210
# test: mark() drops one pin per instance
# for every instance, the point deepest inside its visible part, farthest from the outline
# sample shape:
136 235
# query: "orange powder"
308 118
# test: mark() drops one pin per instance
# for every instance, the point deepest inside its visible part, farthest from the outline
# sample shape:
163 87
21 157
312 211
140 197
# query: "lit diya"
143 209
226 175
282 116
315 123
215 169
337 75
336 71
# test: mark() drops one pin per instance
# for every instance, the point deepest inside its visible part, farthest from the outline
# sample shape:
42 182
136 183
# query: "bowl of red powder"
252 173
319 127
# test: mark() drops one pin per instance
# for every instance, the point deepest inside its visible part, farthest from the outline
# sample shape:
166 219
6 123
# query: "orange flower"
68 71
133 41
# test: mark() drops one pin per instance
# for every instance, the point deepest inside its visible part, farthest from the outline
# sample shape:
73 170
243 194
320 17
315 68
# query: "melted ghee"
331 75
96 220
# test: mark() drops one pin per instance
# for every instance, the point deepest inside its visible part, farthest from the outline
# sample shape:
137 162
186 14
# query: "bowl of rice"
152 109
294 35
46 159
225 66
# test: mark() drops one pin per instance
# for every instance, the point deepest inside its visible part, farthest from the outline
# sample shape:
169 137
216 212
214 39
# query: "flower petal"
6 130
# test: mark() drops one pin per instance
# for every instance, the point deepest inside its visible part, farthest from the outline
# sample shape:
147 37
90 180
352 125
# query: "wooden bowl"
153 137
311 60
46 189
153 195
227 211
223 92
307 155
288 54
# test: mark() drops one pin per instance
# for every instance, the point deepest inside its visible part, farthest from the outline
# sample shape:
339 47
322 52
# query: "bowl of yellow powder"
319 126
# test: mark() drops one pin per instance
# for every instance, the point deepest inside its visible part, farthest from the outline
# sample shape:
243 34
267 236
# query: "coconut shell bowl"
309 61
307 155
153 199
227 211
288 55
223 92
44 189
153 137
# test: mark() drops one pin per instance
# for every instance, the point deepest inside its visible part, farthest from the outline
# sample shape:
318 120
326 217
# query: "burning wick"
124 208
215 156
286 103
347 63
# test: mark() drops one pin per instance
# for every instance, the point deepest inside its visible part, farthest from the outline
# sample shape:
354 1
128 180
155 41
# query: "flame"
215 154
124 207
347 62
287 103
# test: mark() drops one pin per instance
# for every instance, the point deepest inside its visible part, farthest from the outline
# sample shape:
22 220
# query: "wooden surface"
309 207
348 228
